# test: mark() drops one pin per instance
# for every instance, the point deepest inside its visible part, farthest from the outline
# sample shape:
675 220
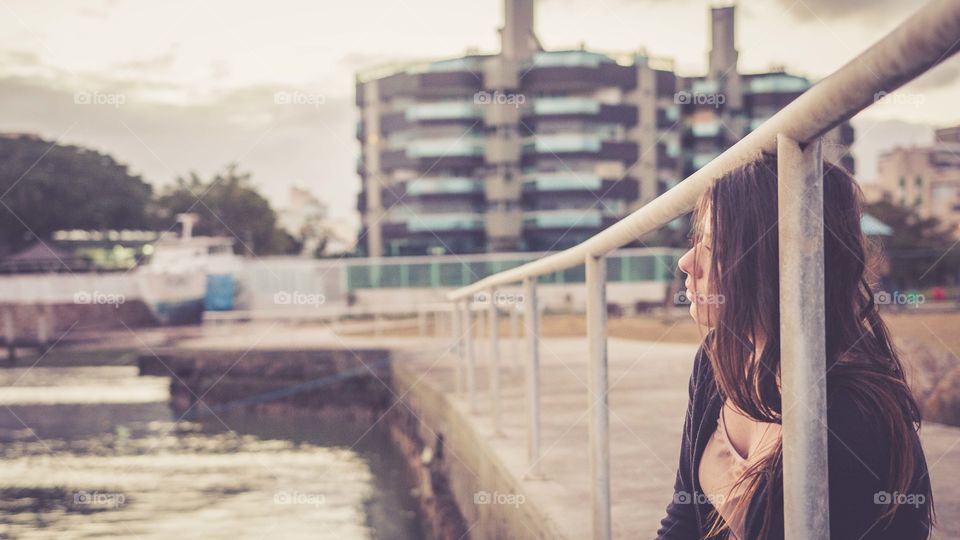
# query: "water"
94 452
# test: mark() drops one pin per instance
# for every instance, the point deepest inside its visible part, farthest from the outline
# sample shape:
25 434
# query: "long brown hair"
860 358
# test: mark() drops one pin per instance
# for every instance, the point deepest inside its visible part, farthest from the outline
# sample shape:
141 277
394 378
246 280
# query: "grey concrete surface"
648 398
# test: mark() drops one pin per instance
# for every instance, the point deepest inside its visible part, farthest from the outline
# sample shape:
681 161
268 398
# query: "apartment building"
537 150
925 178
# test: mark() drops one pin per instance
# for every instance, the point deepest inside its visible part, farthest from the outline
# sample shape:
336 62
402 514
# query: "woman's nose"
686 262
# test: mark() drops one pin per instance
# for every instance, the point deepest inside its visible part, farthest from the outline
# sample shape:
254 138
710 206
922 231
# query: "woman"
730 478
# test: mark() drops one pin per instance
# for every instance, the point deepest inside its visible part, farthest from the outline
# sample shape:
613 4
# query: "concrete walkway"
647 402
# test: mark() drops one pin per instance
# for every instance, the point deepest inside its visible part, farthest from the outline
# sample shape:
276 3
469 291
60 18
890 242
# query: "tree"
921 250
45 187
228 205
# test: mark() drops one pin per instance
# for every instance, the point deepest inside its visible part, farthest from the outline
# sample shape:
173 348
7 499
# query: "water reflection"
88 469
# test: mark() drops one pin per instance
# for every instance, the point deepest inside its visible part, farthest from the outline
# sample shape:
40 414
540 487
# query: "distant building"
535 150
926 179
307 219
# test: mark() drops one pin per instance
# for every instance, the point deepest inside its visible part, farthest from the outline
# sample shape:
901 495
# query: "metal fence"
628 265
921 42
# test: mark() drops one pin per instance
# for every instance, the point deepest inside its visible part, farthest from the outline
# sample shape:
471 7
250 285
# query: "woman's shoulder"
701 376
701 363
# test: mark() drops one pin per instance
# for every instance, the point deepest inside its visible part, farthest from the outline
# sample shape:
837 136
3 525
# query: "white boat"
175 282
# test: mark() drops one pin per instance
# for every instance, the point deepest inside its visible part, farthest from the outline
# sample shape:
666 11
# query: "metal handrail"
921 42
925 39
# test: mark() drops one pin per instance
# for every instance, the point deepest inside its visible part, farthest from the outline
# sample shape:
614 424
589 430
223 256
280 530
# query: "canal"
96 452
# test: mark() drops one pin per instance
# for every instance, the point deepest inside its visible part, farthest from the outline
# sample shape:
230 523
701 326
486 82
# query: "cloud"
163 61
873 137
945 74
308 141
23 58
813 10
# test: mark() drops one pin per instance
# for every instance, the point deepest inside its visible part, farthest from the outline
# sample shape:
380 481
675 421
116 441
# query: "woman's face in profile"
696 264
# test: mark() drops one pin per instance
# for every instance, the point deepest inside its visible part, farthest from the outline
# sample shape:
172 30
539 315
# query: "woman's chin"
695 315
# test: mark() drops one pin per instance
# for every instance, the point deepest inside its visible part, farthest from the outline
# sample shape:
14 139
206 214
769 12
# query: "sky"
189 85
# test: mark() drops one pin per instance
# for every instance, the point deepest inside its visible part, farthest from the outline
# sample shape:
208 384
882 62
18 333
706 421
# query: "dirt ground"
937 330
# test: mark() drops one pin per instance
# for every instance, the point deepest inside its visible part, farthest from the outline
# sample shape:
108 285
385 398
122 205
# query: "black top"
858 460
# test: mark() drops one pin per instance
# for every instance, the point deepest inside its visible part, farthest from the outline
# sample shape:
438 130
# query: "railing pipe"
532 320
456 328
806 491
471 366
598 406
493 363
514 309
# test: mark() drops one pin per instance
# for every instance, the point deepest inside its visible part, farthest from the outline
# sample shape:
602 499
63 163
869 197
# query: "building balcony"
463 146
446 222
700 159
443 110
564 143
580 108
565 105
576 70
776 83
564 219
430 84
444 186
559 183
709 129
413 223
563 182
580 145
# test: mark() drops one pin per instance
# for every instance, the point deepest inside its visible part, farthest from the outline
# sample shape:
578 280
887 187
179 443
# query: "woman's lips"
691 294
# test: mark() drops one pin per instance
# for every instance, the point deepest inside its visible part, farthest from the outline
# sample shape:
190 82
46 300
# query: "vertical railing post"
9 334
456 330
471 355
421 321
532 317
493 363
806 488
597 380
514 309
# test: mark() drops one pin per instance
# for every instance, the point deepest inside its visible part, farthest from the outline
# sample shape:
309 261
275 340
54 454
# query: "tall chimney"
723 52
517 40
